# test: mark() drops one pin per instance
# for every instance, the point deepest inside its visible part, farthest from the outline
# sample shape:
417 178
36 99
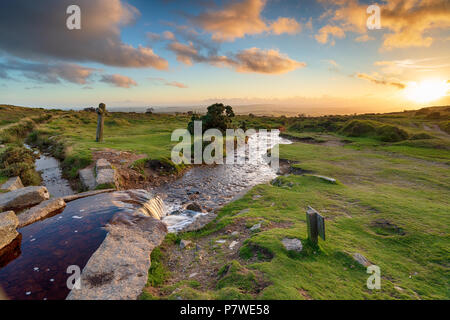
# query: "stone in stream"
292 244
105 173
106 176
41 211
8 225
194 206
23 198
102 164
77 196
12 184
118 270
87 178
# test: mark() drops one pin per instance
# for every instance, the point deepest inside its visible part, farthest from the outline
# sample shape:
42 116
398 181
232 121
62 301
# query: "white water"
215 186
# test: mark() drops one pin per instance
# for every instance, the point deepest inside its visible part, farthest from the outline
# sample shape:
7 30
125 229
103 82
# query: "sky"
303 56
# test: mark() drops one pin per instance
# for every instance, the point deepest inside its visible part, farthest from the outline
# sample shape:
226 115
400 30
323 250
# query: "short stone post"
101 111
315 224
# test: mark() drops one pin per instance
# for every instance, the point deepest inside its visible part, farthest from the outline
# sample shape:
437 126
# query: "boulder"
118 270
106 176
184 243
194 206
292 244
102 164
87 178
44 209
12 184
256 227
200 221
85 194
8 225
361 259
23 198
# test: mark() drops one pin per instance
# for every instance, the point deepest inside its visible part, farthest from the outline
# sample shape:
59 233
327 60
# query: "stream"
36 263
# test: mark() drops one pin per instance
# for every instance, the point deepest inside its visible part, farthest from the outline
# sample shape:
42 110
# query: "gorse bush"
373 129
17 161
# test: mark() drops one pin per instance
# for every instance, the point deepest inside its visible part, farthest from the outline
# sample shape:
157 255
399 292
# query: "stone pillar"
101 111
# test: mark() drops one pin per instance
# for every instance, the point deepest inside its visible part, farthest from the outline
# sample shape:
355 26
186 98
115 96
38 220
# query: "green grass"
405 187
72 136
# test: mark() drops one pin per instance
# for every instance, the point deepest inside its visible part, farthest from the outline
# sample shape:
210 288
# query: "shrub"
17 161
373 129
434 115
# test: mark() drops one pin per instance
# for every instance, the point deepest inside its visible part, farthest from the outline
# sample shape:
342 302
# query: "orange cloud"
265 61
238 19
285 25
408 22
326 31
170 83
378 80
118 80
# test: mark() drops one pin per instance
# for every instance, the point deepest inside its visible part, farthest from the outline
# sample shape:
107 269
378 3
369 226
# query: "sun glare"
427 90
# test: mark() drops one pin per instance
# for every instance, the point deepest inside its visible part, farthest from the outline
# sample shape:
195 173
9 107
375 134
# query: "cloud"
37 30
407 23
399 66
378 80
238 19
49 73
326 31
364 38
285 25
185 53
250 60
333 65
118 80
169 83
264 61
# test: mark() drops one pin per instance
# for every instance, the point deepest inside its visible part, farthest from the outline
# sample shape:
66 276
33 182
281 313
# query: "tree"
150 110
218 117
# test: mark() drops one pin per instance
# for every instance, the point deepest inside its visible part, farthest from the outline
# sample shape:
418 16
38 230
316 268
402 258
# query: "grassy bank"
390 204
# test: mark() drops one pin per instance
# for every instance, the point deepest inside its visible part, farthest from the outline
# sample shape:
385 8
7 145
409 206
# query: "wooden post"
311 222
101 111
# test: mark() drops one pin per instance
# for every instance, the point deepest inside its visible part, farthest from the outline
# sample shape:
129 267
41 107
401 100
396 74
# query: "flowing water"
51 174
214 186
35 264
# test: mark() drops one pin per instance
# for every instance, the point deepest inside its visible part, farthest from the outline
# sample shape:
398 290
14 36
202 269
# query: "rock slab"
12 184
118 270
23 198
105 173
8 225
87 178
44 209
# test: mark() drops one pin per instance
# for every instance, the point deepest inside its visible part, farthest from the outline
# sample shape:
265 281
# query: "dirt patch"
202 260
304 294
286 167
128 177
386 228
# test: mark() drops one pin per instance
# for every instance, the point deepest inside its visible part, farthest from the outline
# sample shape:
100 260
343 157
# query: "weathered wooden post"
315 224
101 111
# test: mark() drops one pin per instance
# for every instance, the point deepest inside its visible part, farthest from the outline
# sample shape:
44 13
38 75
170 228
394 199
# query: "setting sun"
427 90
